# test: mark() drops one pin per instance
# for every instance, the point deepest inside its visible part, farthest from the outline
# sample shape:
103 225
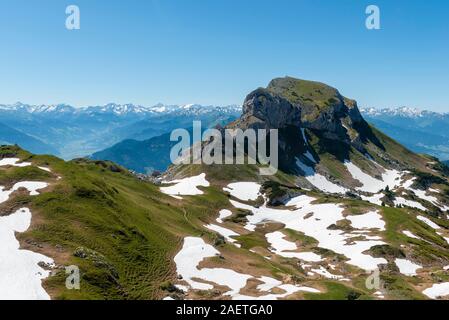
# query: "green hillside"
129 230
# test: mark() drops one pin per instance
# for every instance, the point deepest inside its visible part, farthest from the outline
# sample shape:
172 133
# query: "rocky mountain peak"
293 105
302 103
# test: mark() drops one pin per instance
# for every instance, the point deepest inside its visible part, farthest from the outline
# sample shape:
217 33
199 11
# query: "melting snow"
409 203
13 162
390 178
324 216
423 194
288 288
379 294
226 233
284 248
268 283
319 181
31 186
375 199
407 267
4 195
308 155
244 190
410 235
370 220
445 238
434 190
20 275
223 215
322 271
186 186
437 290
369 184
196 250
429 222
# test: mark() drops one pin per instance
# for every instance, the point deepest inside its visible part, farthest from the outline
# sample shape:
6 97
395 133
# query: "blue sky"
217 51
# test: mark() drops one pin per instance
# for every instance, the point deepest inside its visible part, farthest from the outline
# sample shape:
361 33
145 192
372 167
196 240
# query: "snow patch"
423 194
429 222
284 248
226 233
308 155
437 290
410 235
323 272
409 203
407 267
31 186
324 215
369 184
186 186
223 214
13 162
192 253
20 275
196 250
370 220
244 191
288 289
374 199
319 181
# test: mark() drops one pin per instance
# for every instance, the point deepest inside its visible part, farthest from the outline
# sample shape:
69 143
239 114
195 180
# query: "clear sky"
217 51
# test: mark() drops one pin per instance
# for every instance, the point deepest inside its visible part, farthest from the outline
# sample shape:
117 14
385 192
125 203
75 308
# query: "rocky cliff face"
290 104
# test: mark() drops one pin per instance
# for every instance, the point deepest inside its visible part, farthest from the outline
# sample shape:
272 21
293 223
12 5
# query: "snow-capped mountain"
406 112
420 130
21 107
76 132
118 109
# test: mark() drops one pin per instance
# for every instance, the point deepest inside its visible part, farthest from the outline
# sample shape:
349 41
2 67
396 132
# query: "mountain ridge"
421 131
80 132
114 108
401 111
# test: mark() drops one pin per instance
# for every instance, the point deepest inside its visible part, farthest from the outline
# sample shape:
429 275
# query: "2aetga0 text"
239 309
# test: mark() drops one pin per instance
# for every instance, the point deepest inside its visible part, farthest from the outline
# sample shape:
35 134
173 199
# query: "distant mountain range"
71 132
421 131
108 132
116 109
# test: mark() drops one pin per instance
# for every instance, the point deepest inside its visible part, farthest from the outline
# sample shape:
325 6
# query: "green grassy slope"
129 230
123 233
304 92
